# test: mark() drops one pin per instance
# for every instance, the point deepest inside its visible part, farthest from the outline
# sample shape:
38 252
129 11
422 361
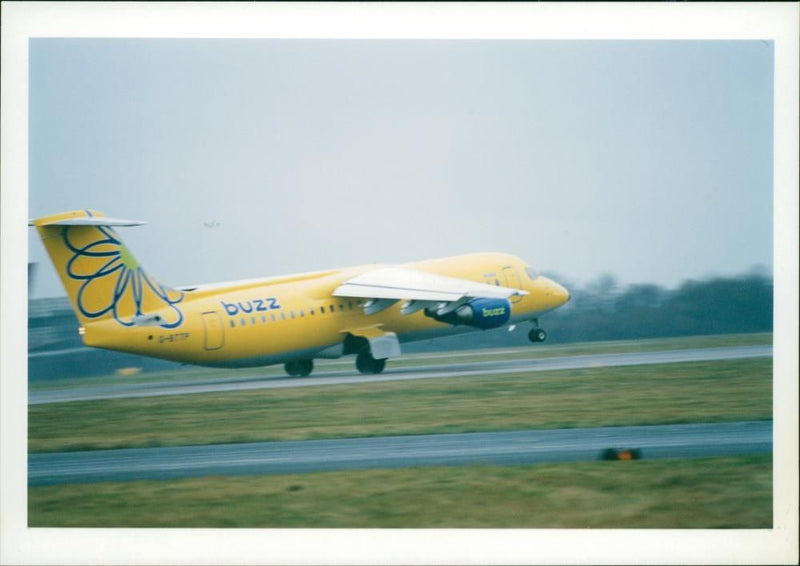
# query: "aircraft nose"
557 293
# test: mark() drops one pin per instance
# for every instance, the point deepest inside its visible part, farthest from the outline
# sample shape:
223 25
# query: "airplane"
292 320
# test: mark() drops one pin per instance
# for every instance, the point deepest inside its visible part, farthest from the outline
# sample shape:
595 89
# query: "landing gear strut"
365 363
299 368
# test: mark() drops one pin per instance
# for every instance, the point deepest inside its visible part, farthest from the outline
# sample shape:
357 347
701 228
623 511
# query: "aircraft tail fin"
101 276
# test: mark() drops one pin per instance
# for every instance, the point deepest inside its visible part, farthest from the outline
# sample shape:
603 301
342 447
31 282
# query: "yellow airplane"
367 311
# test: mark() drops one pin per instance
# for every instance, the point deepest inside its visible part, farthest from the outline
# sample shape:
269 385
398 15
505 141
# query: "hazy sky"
651 160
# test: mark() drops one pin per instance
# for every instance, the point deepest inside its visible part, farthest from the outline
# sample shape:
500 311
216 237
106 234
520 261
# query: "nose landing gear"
537 334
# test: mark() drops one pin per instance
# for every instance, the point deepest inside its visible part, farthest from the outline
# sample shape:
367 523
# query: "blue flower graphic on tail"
113 281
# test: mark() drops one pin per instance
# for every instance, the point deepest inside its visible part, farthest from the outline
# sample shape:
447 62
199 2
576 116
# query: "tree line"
603 310
721 305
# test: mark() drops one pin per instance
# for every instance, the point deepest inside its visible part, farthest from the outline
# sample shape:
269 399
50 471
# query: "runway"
493 367
503 448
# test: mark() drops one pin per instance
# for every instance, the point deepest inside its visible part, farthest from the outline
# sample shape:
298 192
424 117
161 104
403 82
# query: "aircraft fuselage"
367 310
297 316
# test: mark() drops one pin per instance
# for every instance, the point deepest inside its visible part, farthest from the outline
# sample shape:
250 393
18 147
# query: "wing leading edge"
386 286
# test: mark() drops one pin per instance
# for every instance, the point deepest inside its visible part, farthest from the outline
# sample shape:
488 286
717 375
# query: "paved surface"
517 447
118 391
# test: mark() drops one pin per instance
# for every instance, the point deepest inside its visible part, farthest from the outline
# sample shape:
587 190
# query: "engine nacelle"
479 313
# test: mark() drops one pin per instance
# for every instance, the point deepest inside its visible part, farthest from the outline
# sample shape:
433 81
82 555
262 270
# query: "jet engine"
478 313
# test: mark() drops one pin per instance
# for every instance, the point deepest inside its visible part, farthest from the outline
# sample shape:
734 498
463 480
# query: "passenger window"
302 314
292 315
350 305
233 324
311 312
332 309
242 322
273 317
322 310
283 316
263 319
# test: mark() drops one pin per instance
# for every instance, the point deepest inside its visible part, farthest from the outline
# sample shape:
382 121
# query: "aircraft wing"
386 286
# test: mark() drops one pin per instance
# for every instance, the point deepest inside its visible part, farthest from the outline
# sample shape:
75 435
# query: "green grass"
649 394
731 492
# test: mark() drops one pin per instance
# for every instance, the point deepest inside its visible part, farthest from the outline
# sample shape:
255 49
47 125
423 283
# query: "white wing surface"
391 284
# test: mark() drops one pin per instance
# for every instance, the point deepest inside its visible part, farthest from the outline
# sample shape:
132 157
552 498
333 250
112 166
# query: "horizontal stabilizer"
82 218
105 221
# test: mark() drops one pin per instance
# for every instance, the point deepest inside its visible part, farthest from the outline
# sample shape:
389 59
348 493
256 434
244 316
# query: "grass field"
652 394
733 492
702 493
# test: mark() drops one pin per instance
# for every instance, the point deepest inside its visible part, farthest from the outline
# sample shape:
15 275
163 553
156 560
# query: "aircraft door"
512 281
214 331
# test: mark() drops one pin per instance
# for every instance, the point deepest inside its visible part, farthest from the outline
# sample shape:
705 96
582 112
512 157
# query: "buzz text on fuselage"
251 306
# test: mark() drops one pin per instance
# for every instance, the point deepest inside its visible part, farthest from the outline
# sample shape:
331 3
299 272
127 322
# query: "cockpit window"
532 273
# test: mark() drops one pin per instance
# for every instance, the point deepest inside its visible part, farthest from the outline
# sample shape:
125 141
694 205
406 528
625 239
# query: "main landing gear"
365 363
299 368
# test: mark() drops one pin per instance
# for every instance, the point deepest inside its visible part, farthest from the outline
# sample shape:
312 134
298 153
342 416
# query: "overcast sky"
650 160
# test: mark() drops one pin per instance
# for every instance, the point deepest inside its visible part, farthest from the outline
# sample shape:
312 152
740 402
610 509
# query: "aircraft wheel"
299 368
365 363
537 335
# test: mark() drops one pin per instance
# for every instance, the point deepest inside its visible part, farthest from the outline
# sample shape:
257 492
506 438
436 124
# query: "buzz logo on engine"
494 312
